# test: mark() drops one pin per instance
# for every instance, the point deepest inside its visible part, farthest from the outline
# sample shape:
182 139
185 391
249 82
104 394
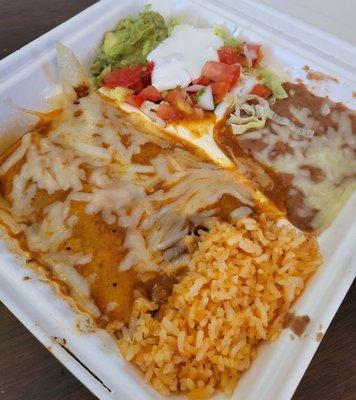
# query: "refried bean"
244 150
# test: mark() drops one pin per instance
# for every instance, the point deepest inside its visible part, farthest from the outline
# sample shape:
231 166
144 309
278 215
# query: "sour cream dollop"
180 58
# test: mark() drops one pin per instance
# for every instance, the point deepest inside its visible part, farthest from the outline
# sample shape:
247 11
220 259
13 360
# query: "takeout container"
28 78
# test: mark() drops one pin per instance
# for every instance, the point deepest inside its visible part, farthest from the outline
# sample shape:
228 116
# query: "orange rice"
236 291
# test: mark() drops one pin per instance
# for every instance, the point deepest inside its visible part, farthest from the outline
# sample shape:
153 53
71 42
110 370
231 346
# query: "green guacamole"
130 42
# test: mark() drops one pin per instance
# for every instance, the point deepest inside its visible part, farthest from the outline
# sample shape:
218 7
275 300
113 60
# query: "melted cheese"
8 219
89 157
63 268
55 227
17 155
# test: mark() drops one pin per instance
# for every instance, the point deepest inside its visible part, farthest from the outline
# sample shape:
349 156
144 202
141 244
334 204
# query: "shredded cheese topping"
90 156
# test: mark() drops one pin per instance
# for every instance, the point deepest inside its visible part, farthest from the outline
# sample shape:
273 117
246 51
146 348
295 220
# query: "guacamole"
130 42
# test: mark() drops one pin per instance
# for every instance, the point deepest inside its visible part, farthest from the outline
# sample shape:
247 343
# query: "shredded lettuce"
222 32
250 123
254 115
273 82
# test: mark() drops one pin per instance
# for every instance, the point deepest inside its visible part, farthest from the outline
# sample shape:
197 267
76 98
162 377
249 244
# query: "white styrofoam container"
29 77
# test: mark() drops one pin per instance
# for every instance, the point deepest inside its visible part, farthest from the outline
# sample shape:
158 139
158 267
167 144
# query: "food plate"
92 356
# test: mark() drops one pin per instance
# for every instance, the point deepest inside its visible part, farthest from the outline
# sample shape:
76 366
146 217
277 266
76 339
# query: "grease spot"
319 337
297 324
60 341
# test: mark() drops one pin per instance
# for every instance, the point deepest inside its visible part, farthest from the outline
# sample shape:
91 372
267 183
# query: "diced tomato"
220 72
176 98
136 77
168 112
219 90
229 55
232 55
148 93
146 73
151 93
202 80
149 66
123 77
137 87
261 91
241 59
135 100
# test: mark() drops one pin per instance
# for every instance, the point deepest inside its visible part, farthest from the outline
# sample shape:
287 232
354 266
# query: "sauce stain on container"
297 324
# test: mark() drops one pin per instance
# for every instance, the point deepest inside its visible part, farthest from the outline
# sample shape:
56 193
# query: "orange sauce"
228 143
91 235
108 283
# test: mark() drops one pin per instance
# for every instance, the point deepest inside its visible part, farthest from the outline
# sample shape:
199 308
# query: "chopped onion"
206 100
150 109
149 106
